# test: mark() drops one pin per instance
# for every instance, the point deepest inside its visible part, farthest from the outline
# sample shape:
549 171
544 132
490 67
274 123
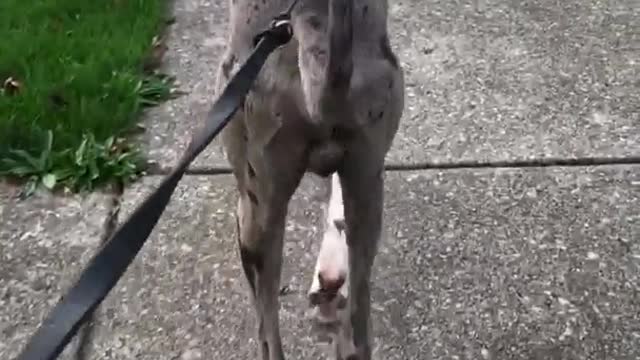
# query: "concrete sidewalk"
475 264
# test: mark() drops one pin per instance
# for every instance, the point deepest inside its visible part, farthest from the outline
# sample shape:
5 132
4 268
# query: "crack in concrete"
86 332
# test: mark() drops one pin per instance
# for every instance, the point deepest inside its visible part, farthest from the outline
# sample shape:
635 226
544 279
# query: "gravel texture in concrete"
44 243
536 264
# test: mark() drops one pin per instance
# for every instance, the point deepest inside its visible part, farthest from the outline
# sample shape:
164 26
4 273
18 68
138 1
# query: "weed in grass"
75 78
91 165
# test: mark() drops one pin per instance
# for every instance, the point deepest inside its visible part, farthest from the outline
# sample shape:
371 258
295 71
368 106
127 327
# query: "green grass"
75 76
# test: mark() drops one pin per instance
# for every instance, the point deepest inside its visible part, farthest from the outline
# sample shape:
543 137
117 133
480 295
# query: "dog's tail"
326 156
326 81
340 64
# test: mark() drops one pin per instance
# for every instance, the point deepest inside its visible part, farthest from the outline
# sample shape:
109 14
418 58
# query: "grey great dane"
329 102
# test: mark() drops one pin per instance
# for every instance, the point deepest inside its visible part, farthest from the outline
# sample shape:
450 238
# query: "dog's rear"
328 102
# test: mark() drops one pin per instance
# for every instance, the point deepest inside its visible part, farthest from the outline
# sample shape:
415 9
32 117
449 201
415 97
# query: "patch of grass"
75 76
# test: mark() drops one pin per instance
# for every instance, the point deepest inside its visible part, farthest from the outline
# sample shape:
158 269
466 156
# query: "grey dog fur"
329 101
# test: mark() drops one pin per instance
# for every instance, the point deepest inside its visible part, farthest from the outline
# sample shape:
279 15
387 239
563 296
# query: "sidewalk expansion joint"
453 165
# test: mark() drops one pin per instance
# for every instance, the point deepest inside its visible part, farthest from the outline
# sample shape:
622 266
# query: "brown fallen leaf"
11 86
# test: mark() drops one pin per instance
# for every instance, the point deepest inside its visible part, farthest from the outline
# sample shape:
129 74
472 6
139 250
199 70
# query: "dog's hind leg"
260 247
267 172
362 185
261 222
329 287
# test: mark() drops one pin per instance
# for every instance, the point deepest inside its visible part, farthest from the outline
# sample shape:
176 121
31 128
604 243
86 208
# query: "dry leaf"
11 86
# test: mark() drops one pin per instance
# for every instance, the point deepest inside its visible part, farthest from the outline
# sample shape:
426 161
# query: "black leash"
110 263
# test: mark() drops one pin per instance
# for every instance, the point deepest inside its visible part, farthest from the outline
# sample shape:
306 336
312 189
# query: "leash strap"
113 259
